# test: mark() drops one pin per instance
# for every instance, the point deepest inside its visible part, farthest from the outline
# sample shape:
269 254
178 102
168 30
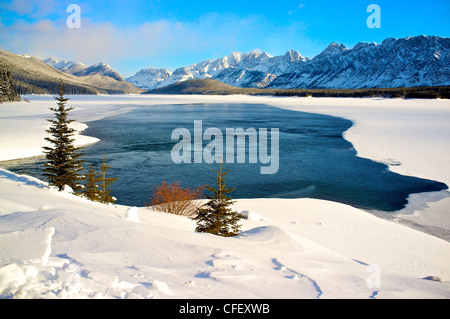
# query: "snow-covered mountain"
149 78
99 75
66 66
406 62
332 49
179 75
101 69
80 69
253 69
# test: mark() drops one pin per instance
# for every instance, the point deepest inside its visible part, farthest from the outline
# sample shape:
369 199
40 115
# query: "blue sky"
130 35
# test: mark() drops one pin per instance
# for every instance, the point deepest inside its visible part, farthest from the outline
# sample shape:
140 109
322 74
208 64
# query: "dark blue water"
314 159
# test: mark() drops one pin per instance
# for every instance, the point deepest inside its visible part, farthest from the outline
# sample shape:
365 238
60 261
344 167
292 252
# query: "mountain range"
420 61
100 74
405 62
34 76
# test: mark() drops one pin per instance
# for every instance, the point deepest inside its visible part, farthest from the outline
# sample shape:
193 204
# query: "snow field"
300 248
305 248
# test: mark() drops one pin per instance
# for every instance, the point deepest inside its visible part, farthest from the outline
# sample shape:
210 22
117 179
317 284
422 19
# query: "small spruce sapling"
105 183
216 216
91 188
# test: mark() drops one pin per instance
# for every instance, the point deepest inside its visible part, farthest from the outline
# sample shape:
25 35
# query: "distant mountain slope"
32 75
205 86
254 69
67 66
214 87
149 78
99 75
101 69
407 62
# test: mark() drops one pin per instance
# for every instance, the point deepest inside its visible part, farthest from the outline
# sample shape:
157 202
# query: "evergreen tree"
216 216
63 164
8 92
91 188
105 183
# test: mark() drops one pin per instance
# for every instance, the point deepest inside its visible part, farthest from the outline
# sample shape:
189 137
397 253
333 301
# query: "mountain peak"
181 72
404 62
332 49
66 66
101 69
293 56
257 54
329 69
149 78
101 65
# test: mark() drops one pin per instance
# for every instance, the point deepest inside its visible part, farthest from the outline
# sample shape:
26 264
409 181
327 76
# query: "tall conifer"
63 165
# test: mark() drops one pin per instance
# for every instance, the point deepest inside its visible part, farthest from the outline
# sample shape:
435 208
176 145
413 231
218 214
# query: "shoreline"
93 108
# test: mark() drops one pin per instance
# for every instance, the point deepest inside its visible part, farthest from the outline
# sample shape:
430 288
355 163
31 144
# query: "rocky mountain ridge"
406 62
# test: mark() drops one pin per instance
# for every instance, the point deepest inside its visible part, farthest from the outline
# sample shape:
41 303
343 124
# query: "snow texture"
57 245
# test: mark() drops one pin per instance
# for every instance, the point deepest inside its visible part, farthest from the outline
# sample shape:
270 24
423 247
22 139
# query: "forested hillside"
33 76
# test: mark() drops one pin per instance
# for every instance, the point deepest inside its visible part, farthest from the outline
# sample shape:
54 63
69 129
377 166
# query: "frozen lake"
314 159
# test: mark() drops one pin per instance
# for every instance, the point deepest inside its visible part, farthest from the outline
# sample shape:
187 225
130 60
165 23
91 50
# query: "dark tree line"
214 87
8 91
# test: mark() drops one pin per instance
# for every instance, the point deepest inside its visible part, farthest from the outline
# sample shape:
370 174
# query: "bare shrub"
175 199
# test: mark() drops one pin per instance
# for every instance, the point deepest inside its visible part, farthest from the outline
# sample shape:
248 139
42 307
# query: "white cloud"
108 41
211 35
32 8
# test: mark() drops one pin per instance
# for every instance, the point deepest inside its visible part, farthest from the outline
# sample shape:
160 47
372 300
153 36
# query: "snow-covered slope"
149 79
417 61
332 49
407 62
67 66
101 69
98 75
179 75
80 69
253 69
57 245
244 77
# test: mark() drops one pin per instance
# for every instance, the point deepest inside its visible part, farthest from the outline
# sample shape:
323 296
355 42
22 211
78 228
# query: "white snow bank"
23 129
300 248
132 215
251 215
29 246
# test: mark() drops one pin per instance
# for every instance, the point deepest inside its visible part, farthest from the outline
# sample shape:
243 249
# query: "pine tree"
63 164
8 92
105 183
91 189
216 216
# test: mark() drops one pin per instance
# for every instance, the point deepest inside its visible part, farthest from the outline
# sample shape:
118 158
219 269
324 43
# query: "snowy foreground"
57 245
